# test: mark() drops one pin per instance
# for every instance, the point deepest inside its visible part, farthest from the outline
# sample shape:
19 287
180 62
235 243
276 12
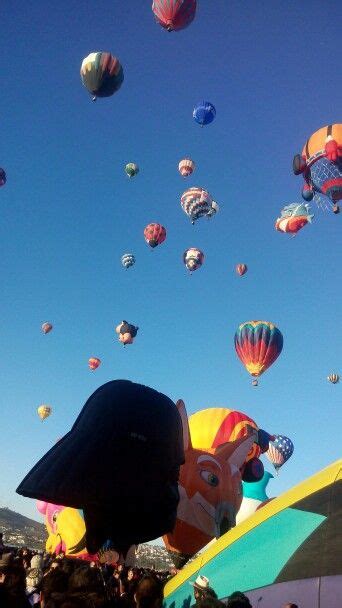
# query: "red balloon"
94 362
174 15
46 327
241 269
154 234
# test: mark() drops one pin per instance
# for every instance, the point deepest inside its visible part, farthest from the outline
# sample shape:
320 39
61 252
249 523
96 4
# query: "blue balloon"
204 113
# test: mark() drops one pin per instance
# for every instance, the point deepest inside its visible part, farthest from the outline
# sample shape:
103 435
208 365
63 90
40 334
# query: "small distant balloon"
294 217
132 169
193 258
3 177
186 167
101 74
197 202
94 363
44 411
46 328
154 234
333 378
174 15
126 332
127 260
241 269
204 113
279 451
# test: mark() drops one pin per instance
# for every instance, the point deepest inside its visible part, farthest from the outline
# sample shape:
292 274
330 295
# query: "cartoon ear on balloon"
180 405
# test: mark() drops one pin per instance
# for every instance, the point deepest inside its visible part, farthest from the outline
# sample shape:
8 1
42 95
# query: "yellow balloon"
44 411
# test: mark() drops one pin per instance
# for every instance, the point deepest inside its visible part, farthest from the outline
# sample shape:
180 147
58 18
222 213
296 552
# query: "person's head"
33 577
6 561
55 581
149 593
130 574
238 600
201 586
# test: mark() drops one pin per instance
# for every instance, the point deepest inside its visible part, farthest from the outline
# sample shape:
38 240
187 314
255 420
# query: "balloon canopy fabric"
101 74
127 260
46 328
119 463
193 258
3 177
280 450
204 113
174 15
258 344
293 217
333 378
94 363
154 234
132 169
197 202
44 411
126 332
321 166
241 269
186 167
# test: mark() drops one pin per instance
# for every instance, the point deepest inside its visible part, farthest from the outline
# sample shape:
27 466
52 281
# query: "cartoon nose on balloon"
224 525
225 518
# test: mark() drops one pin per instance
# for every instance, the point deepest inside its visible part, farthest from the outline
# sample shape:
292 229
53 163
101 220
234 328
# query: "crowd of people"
31 579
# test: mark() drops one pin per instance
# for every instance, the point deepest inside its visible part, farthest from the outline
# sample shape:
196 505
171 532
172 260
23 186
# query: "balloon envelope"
193 258
3 177
94 363
186 167
101 74
204 113
127 260
44 411
46 328
174 15
258 344
132 169
154 234
280 450
241 269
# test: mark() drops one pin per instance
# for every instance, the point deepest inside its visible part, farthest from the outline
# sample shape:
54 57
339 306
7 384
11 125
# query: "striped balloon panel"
128 260
212 427
334 378
196 202
174 14
315 145
275 457
101 74
154 234
258 344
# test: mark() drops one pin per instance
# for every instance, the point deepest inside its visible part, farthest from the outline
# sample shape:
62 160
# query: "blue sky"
68 213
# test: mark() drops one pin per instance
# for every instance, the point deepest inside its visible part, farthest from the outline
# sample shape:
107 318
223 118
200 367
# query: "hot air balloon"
186 167
126 332
279 451
44 411
293 217
204 113
127 260
3 177
241 269
132 169
94 363
197 202
174 15
321 166
101 74
258 344
119 463
46 328
193 258
154 234
333 378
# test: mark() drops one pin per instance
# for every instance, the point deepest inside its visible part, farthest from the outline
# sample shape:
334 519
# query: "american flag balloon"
280 450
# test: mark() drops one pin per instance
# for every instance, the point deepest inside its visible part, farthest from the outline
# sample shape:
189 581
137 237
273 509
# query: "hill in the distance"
21 531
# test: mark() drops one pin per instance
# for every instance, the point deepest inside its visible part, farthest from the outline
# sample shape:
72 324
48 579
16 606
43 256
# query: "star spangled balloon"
280 450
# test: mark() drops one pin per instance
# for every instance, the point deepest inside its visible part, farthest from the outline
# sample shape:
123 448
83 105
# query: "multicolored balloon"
154 234
132 169
193 258
174 15
333 378
204 113
101 74
186 167
197 202
258 344
293 217
94 363
279 451
321 166
3 177
127 260
241 269
46 328
126 332
44 411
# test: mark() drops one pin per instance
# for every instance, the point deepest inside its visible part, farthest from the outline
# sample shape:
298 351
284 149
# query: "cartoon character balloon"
279 451
44 411
3 177
193 258
241 269
154 234
197 202
204 113
119 463
132 169
321 166
94 363
186 167
46 328
126 332
101 74
258 344
293 217
127 260
333 378
174 15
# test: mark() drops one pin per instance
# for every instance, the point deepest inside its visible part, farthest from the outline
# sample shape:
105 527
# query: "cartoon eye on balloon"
258 344
174 15
101 74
